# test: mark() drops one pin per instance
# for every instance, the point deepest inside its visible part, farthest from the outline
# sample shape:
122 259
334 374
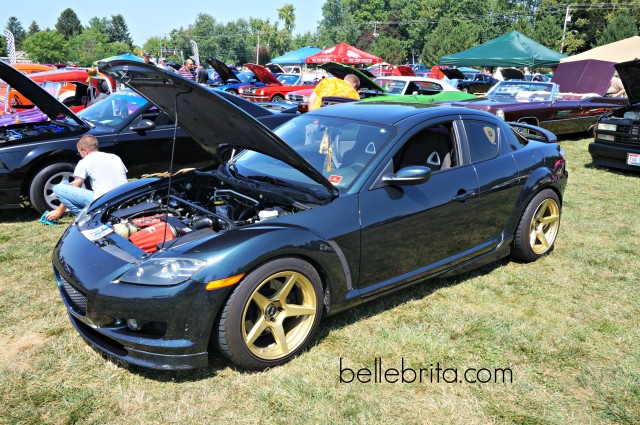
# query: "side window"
483 139
431 147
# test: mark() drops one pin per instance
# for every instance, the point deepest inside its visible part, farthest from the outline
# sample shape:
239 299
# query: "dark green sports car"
334 208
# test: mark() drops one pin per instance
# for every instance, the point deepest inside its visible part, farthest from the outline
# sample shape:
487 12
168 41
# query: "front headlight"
162 271
500 114
607 127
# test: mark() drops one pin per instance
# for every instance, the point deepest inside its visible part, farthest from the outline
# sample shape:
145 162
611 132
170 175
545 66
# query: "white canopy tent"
619 51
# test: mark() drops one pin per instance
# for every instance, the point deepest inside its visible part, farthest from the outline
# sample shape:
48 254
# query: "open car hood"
340 71
403 70
512 74
206 115
585 76
263 74
453 73
630 75
222 69
49 105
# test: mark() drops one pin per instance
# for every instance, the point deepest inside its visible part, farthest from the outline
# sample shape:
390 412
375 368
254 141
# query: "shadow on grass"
18 215
383 303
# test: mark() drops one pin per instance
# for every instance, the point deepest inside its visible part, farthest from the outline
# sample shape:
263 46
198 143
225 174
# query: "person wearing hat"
147 58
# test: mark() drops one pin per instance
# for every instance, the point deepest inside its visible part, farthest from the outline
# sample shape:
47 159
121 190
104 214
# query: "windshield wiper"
277 182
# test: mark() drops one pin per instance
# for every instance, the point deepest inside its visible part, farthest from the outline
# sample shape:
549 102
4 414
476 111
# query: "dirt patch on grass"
16 355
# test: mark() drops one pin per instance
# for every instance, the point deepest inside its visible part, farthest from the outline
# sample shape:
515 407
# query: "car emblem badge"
270 310
491 134
434 159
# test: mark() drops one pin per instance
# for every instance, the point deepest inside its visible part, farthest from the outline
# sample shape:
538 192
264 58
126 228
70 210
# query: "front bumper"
612 156
177 320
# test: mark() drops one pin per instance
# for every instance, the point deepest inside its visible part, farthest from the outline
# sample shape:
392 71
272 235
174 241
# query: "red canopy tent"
343 53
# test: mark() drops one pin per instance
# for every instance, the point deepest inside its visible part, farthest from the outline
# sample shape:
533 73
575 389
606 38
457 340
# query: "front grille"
295 97
74 298
626 135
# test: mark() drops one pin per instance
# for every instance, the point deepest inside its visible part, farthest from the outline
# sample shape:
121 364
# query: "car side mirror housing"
143 125
415 174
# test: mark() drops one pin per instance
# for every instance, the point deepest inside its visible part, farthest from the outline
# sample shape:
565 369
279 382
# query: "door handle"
463 195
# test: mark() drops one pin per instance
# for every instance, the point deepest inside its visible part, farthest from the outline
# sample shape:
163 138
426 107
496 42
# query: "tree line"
399 31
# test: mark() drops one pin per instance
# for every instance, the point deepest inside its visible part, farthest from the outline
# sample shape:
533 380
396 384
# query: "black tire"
41 188
538 228
283 325
277 98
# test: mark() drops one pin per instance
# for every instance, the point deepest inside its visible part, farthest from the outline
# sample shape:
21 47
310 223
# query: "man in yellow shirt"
334 87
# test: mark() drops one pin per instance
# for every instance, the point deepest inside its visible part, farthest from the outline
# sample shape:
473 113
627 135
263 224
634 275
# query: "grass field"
568 328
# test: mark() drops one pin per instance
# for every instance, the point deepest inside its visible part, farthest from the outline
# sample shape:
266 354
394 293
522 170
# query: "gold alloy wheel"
279 315
544 226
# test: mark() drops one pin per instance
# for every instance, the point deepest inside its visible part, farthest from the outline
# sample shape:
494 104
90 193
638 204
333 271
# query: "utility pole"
258 51
567 18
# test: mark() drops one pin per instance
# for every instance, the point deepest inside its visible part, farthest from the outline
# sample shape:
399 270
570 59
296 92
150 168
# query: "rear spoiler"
533 132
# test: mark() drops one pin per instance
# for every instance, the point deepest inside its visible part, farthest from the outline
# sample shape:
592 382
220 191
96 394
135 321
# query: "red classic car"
275 88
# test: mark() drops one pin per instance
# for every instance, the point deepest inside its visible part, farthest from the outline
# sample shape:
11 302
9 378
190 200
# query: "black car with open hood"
331 209
617 136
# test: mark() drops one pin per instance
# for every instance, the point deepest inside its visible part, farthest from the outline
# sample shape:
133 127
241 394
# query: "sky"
146 19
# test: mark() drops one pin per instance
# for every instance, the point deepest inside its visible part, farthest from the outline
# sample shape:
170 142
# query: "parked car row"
288 218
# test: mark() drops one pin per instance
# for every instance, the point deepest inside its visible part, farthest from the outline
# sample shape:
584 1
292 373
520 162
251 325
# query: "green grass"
567 326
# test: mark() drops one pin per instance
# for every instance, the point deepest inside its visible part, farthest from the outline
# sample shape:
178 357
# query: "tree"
620 27
33 28
19 34
449 37
99 24
118 30
388 48
46 47
68 24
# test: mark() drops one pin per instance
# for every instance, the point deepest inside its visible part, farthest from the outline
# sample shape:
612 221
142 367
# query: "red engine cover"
150 237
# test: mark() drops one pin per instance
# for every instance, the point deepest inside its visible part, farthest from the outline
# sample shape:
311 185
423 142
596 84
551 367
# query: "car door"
150 151
499 182
412 231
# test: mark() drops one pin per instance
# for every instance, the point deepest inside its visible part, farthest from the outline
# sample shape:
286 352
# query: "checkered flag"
196 55
11 46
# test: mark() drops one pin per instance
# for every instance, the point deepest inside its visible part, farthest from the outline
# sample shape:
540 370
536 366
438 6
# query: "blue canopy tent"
124 56
296 57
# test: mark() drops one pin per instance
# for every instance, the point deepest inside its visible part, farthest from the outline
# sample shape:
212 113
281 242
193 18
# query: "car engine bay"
195 206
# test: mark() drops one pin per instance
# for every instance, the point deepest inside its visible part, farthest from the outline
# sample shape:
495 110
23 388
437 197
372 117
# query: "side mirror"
415 174
143 125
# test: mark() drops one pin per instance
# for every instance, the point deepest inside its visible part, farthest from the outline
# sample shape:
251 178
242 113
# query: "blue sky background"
157 17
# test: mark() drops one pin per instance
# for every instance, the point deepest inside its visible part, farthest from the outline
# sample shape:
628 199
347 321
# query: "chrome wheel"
544 226
279 315
50 198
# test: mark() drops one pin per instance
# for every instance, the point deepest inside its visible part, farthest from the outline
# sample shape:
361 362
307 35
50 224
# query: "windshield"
392 86
114 109
521 90
245 77
339 149
288 79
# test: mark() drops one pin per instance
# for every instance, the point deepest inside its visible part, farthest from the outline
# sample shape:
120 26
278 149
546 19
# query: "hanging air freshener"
326 148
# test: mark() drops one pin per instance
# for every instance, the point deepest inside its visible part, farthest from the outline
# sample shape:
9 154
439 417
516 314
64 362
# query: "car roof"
391 113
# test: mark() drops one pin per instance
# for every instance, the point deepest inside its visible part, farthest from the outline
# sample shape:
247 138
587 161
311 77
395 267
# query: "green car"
445 96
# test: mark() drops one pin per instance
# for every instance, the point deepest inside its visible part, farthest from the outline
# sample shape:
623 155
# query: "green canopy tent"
511 49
